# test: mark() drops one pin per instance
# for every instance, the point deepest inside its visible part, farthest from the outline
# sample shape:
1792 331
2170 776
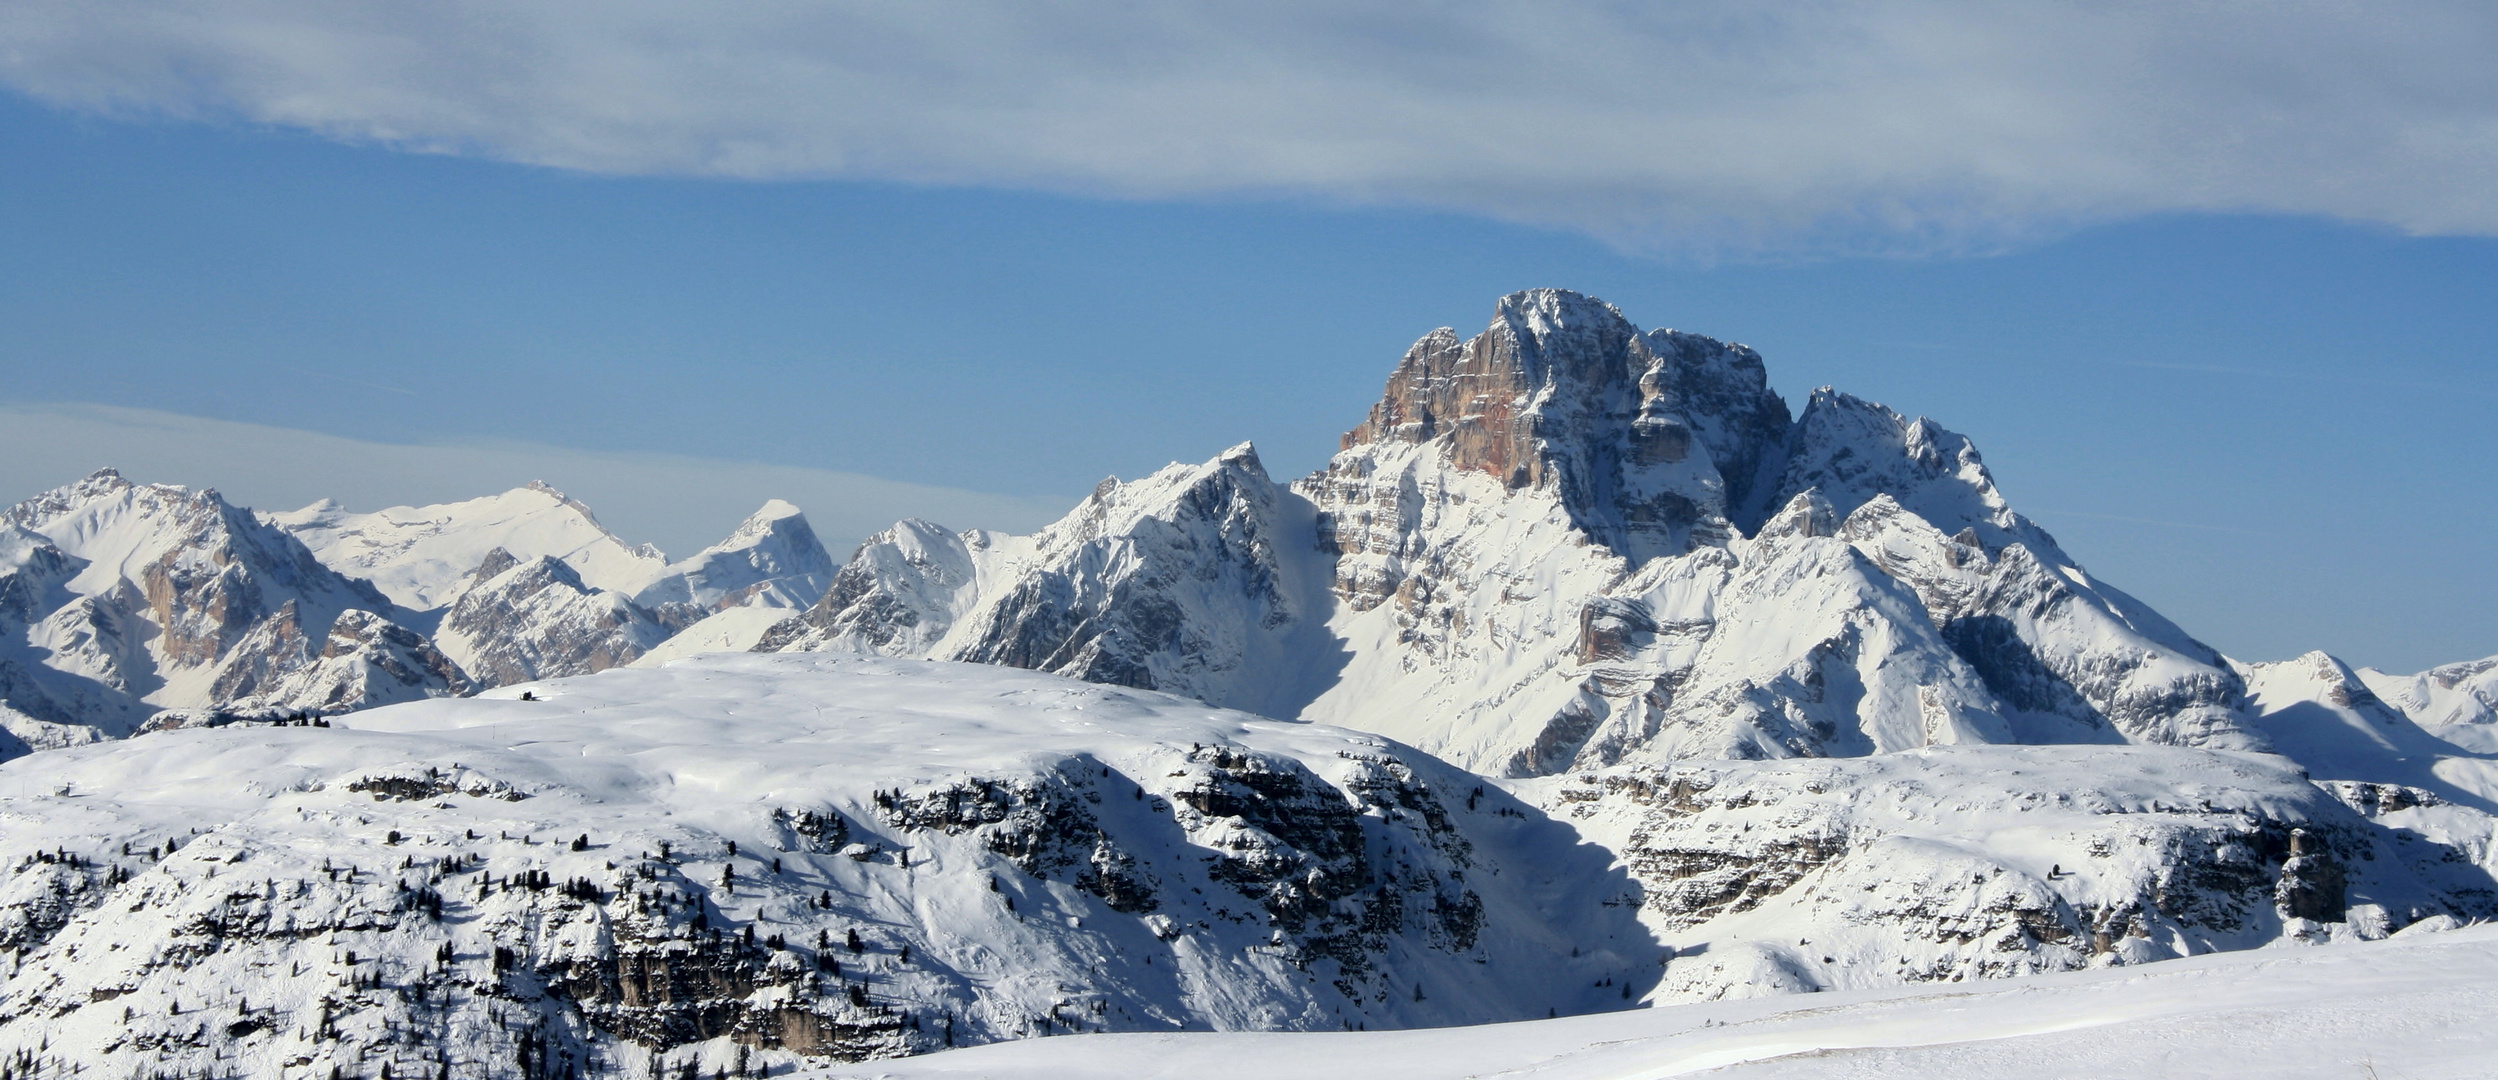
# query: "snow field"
2416 1007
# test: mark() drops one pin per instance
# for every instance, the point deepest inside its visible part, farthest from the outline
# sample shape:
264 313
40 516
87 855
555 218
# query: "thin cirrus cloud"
1724 127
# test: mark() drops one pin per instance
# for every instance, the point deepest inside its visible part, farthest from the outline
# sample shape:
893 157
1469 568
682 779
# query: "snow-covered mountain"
118 600
1567 542
1572 549
422 556
1196 580
2318 712
773 559
772 856
528 585
2456 702
517 621
1789 702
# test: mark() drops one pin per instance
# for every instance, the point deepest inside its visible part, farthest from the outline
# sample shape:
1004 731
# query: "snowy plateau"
1587 678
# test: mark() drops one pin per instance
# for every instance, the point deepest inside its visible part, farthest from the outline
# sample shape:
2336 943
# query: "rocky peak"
1648 438
1807 514
1233 481
492 566
1854 450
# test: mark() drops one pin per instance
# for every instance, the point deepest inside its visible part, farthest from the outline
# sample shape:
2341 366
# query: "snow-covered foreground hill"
2417 1007
773 856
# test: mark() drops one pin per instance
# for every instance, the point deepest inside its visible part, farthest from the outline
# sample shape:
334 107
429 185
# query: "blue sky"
2263 411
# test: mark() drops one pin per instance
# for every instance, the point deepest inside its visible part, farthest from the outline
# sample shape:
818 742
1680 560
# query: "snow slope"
2416 1007
672 861
734 629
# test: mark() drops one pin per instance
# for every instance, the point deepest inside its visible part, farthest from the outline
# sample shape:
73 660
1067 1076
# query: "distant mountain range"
1832 713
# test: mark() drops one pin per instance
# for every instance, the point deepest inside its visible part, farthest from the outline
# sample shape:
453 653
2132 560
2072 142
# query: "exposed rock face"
122 598
768 856
1983 862
1471 592
536 620
1647 439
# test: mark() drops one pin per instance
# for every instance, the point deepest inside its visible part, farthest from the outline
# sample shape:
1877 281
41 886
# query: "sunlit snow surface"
2417 1007
1020 853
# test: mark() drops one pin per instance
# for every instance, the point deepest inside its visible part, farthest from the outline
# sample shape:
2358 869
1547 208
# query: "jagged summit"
1650 439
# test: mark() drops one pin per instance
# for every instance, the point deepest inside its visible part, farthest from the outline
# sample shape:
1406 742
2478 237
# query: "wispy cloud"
680 503
1715 125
